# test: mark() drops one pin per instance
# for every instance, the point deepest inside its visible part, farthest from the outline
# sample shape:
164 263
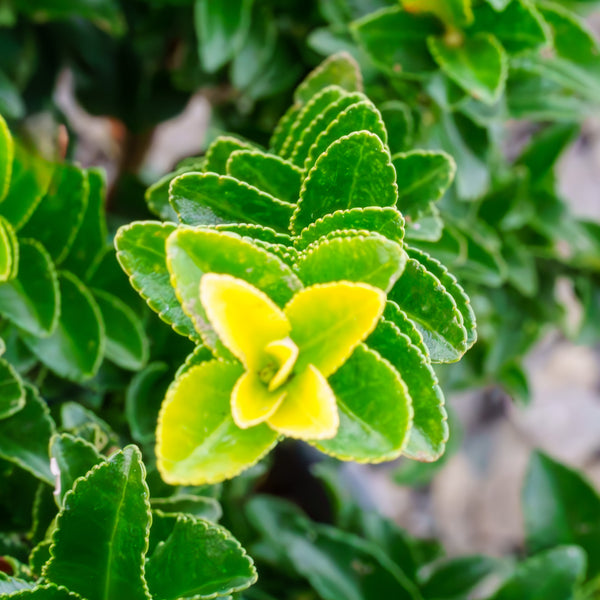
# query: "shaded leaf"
221 29
74 458
75 348
9 252
560 507
395 40
24 437
551 575
126 342
479 64
202 507
423 177
31 301
64 205
12 391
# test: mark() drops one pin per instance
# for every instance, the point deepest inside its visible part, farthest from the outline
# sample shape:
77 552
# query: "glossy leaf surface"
375 410
75 349
142 254
197 439
209 199
354 172
198 560
101 537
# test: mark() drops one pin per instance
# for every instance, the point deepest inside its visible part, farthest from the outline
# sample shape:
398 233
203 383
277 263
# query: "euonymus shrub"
287 267
455 76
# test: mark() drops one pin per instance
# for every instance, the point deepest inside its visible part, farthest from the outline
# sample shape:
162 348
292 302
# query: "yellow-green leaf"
309 409
197 440
330 320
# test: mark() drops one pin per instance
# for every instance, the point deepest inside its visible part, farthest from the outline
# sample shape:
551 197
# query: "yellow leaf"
285 352
309 410
244 318
252 402
329 320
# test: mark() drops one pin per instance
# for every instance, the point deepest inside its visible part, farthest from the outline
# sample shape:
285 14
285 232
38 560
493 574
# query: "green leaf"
86 424
210 199
428 227
198 560
400 319
252 59
74 458
336 564
546 147
375 410
144 396
39 557
64 206
386 221
9 252
355 172
478 64
106 14
31 301
423 177
399 123
142 254
218 153
395 41
367 258
361 116
221 29
197 440
282 129
7 152
429 433
312 117
518 27
551 575
12 391
29 182
456 577
574 63
202 507
339 69
90 241
192 253
560 507
126 342
454 135
101 533
74 350
256 233
305 138
45 592
452 286
24 437
8 585
421 295
452 12
267 173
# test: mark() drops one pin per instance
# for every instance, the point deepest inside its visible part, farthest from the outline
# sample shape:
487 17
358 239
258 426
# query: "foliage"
304 273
